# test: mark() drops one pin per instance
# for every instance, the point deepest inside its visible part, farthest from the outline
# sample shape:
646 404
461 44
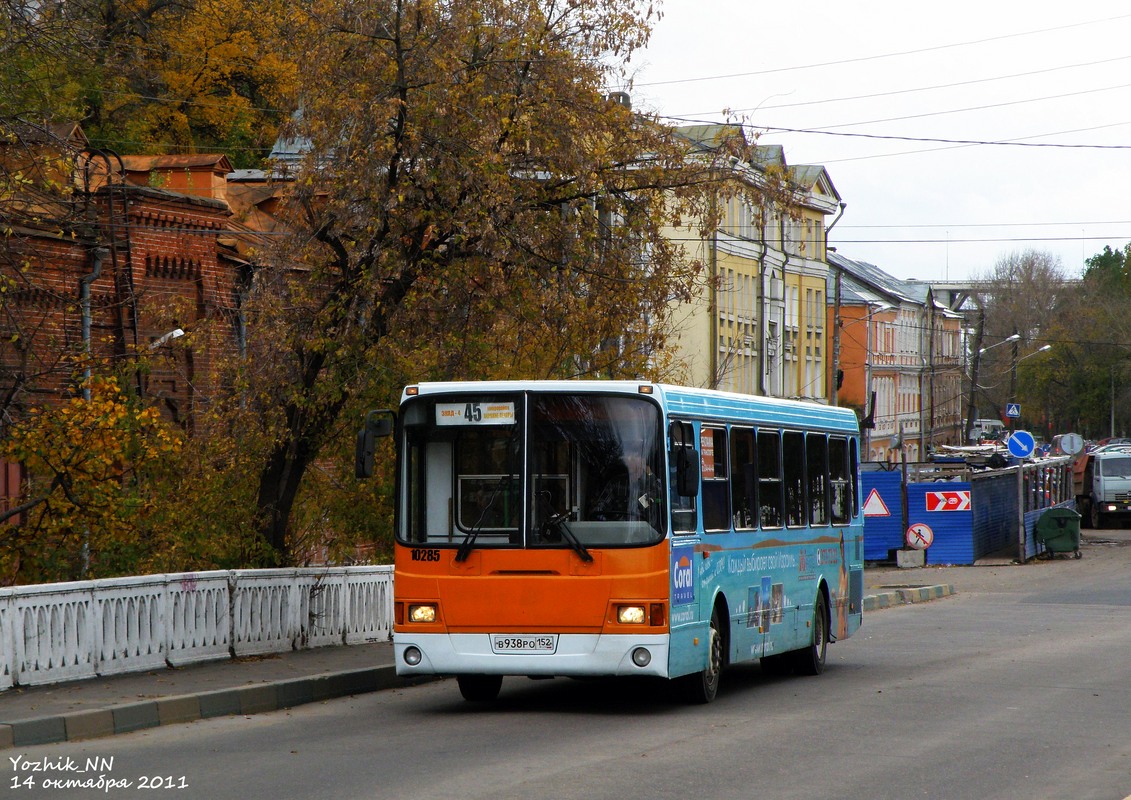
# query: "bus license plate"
529 644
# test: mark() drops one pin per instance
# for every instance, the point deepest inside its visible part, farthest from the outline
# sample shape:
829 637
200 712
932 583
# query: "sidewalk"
105 706
115 704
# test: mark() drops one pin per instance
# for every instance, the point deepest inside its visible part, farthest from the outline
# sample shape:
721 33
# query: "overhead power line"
1003 104
990 224
897 54
989 240
936 87
964 142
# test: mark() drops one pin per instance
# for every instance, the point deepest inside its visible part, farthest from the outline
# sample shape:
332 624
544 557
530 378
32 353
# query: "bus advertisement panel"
610 528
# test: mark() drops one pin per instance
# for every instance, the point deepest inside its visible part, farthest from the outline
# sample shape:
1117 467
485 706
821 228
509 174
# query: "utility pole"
975 360
835 371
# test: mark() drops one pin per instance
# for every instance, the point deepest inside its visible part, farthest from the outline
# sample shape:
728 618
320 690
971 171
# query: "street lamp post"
176 333
974 364
1013 374
1015 337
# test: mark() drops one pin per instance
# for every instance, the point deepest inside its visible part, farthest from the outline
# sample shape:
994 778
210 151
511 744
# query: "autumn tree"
149 75
471 204
1024 290
90 462
139 75
1095 330
1081 383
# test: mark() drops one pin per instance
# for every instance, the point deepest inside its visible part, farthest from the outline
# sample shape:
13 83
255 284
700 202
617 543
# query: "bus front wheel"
811 660
479 688
701 687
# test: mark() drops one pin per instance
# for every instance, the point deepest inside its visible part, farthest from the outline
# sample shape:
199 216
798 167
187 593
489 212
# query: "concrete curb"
904 595
270 696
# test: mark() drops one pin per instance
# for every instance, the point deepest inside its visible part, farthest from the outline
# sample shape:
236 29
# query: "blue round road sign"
1020 444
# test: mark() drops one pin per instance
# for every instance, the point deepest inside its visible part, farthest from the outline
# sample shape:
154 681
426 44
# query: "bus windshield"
535 470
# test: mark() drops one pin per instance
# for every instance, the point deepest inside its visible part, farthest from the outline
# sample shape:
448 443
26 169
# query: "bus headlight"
422 613
630 615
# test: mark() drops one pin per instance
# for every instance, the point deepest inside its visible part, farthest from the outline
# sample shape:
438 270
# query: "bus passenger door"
687 563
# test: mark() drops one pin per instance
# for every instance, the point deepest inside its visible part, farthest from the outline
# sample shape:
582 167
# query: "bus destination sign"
474 413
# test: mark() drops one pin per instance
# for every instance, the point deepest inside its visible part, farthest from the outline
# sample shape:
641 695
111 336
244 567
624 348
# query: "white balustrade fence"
62 631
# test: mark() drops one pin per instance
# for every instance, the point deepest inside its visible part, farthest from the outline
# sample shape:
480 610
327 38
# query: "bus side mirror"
377 424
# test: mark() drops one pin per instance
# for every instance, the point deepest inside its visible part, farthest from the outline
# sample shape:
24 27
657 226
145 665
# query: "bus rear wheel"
701 687
811 660
479 688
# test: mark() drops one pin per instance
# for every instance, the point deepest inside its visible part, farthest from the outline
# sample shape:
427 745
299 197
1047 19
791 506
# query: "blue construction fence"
966 514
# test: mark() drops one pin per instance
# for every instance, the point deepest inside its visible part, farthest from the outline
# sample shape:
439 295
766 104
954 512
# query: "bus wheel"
811 660
701 687
479 688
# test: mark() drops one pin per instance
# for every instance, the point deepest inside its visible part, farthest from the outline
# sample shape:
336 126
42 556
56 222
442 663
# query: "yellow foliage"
90 464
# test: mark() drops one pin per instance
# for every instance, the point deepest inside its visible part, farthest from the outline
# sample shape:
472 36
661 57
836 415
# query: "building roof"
62 133
712 136
217 161
812 179
770 155
865 283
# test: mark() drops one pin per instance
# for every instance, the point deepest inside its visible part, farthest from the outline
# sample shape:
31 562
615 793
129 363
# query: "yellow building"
758 326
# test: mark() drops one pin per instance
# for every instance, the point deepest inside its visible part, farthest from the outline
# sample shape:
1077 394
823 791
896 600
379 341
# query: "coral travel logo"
683 576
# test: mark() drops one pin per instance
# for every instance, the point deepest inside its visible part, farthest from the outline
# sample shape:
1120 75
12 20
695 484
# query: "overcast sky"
1037 73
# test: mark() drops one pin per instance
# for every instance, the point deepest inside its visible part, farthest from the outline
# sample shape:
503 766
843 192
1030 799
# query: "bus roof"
678 400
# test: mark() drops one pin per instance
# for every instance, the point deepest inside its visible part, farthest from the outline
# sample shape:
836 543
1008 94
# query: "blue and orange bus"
610 528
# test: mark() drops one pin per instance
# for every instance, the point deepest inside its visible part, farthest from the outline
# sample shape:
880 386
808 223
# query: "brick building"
132 249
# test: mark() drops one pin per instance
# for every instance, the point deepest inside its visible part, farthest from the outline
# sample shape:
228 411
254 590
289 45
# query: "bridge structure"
955 294
67 631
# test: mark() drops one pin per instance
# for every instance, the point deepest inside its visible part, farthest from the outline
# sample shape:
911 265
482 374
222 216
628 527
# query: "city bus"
614 528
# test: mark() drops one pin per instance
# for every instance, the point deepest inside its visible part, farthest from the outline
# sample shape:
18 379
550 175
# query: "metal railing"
64 631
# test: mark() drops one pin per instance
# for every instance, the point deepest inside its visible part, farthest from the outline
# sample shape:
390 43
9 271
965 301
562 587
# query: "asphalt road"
1017 687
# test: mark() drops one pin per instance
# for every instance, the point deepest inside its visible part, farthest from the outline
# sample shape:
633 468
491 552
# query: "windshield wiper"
558 523
469 541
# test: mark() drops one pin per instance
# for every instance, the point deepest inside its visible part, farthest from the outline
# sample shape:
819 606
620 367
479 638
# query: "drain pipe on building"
834 389
99 254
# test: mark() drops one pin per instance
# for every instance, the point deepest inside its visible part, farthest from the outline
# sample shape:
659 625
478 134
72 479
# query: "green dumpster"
1058 529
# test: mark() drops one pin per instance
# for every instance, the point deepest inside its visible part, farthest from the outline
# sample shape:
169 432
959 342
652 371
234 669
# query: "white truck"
1101 481
984 429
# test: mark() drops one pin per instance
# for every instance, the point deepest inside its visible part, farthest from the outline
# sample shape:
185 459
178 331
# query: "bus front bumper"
576 655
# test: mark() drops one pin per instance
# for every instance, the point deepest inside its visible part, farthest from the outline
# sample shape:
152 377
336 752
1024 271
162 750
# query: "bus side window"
744 478
428 503
716 494
770 504
793 471
684 477
839 482
817 470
